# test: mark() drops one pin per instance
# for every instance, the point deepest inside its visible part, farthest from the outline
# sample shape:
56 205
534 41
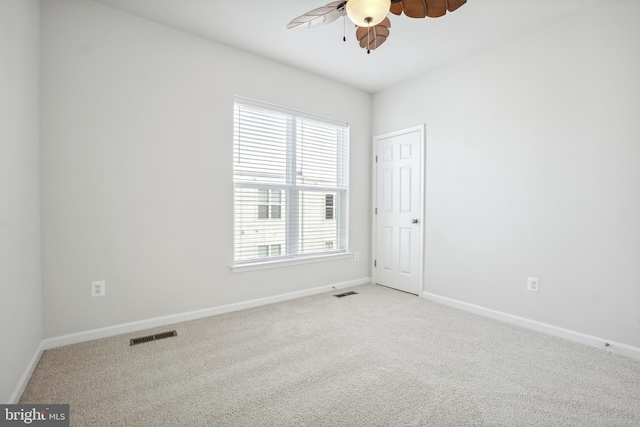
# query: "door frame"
374 218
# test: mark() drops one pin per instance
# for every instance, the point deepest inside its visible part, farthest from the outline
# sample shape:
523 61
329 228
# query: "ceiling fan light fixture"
367 13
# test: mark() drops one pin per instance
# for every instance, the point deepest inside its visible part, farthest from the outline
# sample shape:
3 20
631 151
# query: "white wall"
533 169
20 286
137 168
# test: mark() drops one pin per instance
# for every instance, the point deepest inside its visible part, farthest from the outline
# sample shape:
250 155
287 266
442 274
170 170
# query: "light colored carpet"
379 358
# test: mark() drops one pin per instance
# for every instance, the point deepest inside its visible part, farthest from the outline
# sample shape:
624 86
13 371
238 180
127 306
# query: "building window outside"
275 250
263 251
290 176
328 206
269 206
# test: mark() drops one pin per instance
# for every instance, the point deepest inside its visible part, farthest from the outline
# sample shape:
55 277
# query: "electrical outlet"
99 288
356 256
532 284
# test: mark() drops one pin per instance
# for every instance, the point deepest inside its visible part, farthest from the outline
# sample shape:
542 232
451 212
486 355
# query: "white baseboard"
191 315
26 375
600 343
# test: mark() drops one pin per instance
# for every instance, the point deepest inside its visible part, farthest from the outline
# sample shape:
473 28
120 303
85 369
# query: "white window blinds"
290 174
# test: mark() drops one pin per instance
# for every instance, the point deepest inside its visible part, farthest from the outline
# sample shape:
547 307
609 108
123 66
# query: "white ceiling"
413 47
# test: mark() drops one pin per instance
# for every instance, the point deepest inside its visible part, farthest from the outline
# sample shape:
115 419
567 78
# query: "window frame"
291 191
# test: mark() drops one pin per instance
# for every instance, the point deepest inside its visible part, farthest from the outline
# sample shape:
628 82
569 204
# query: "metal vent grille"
346 294
149 338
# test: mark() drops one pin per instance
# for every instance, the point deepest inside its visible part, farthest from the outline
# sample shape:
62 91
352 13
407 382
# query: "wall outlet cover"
533 284
98 288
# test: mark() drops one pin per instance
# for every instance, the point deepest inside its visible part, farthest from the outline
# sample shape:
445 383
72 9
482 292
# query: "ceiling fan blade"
322 15
414 8
396 8
436 8
374 41
454 4
361 32
371 38
422 8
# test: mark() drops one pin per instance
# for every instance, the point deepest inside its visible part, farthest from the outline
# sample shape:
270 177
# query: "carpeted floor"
378 358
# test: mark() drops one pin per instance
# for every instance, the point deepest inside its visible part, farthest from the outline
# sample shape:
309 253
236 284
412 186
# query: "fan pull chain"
344 28
375 37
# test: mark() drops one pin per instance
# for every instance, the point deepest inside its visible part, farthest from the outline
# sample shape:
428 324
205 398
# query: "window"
328 206
275 250
263 251
290 174
269 204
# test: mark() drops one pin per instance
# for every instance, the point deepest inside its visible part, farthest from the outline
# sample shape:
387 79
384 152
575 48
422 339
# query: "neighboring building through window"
290 174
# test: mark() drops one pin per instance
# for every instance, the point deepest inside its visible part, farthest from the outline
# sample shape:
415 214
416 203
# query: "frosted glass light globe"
367 13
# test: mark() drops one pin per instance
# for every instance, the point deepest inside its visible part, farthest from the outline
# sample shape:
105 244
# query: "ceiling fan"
370 16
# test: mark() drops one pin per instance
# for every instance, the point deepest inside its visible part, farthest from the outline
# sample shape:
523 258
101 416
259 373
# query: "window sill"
239 268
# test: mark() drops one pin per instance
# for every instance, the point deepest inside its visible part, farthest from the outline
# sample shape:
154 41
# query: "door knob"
414 221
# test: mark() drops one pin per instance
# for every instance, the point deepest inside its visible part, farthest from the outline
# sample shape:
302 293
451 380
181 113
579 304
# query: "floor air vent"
155 337
346 294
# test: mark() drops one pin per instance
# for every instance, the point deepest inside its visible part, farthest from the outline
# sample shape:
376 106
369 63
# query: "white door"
398 210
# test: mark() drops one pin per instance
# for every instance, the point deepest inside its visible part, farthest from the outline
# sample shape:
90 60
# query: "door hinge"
375 262
376 211
376 159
